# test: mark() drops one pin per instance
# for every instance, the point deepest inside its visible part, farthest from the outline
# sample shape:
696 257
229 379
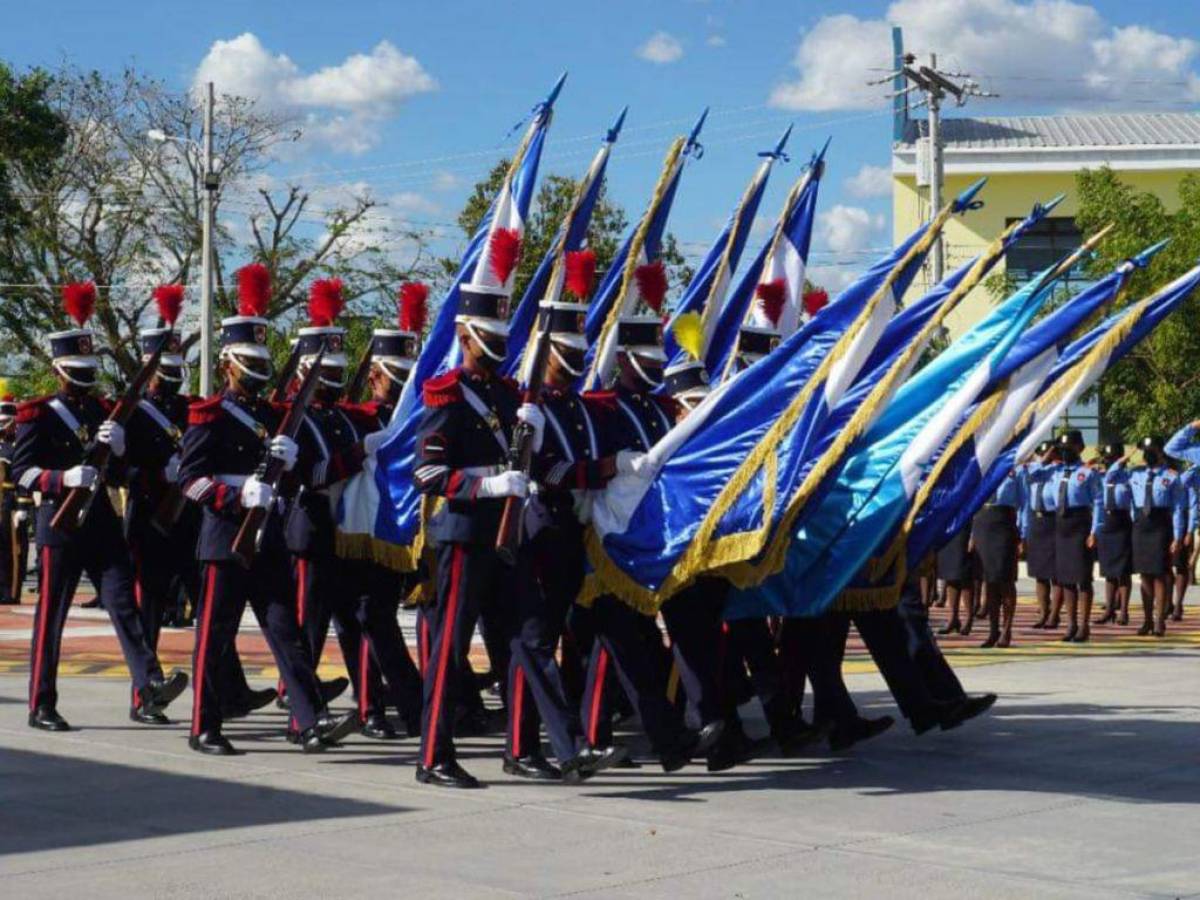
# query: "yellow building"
1026 159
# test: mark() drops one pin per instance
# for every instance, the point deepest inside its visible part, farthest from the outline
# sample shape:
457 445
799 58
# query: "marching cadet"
14 511
1039 543
54 436
998 529
638 418
227 437
164 552
1157 501
1114 540
1078 492
462 446
569 464
368 591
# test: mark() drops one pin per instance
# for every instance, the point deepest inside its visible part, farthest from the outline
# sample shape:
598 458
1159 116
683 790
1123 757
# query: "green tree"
1156 388
550 205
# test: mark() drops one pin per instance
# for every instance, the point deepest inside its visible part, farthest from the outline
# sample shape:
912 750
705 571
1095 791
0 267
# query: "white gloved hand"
113 434
532 415
171 472
20 519
284 448
506 484
79 477
630 462
374 441
256 494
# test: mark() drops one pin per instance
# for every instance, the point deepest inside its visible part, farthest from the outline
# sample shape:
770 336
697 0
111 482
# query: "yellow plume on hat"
689 333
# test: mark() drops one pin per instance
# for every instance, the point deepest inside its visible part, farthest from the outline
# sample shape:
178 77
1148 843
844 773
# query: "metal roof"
1108 130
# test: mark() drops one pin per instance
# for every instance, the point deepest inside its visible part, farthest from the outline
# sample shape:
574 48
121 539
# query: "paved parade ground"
1083 782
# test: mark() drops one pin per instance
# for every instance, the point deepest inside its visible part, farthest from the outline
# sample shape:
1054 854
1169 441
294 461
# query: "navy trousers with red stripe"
164 567
107 565
471 581
267 587
383 650
631 643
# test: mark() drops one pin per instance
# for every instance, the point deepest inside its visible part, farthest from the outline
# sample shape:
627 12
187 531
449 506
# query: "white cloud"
833 278
1059 49
445 181
661 48
847 228
715 40
870 181
340 105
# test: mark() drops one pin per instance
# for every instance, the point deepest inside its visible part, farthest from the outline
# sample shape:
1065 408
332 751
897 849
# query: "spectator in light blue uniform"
1078 492
1185 445
1158 503
998 530
1039 532
1114 550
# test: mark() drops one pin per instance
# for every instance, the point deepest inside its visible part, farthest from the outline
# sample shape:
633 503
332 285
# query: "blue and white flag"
705 294
944 498
614 297
379 510
547 282
832 542
783 257
714 486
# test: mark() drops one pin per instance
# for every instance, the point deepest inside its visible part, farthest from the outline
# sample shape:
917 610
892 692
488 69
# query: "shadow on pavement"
52 802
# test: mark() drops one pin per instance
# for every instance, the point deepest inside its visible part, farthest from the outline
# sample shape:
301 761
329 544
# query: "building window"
1041 246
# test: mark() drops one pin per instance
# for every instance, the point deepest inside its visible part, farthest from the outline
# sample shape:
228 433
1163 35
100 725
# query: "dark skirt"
1114 551
1072 558
1152 543
1183 560
1039 546
954 563
996 541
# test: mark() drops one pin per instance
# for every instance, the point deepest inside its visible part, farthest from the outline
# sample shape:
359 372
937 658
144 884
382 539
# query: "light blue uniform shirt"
1012 492
1157 487
1076 486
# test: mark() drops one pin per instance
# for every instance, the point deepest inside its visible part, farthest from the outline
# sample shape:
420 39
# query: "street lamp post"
211 182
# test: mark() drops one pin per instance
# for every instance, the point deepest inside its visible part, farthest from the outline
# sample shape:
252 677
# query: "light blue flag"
654 220
378 511
650 530
833 541
1017 382
783 256
572 236
705 293
1071 375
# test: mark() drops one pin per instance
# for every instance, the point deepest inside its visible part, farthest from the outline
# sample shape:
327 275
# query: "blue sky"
415 100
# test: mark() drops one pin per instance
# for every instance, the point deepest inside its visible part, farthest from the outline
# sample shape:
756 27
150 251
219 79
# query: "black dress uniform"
15 507
52 434
625 638
165 566
223 445
464 437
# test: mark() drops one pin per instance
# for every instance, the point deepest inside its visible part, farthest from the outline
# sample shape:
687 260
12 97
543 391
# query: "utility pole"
211 183
935 85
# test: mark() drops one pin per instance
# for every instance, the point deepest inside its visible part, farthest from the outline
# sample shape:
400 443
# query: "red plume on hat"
815 301
505 251
325 301
169 298
79 300
414 309
772 295
581 272
254 290
652 284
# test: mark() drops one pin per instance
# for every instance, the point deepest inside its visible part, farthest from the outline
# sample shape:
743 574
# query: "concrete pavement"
1084 782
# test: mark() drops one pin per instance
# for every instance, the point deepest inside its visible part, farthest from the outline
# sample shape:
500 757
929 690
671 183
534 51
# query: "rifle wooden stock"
74 508
271 471
508 537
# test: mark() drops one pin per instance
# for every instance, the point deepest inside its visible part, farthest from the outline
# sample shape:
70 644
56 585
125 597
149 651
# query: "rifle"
520 457
270 470
359 381
74 509
279 391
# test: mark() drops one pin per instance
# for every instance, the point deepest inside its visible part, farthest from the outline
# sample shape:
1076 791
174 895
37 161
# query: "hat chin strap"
562 361
232 357
64 372
481 343
641 373
393 376
184 374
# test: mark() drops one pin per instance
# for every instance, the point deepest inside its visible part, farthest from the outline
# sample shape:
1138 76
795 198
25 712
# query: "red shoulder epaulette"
606 400
365 415
203 412
28 410
443 390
